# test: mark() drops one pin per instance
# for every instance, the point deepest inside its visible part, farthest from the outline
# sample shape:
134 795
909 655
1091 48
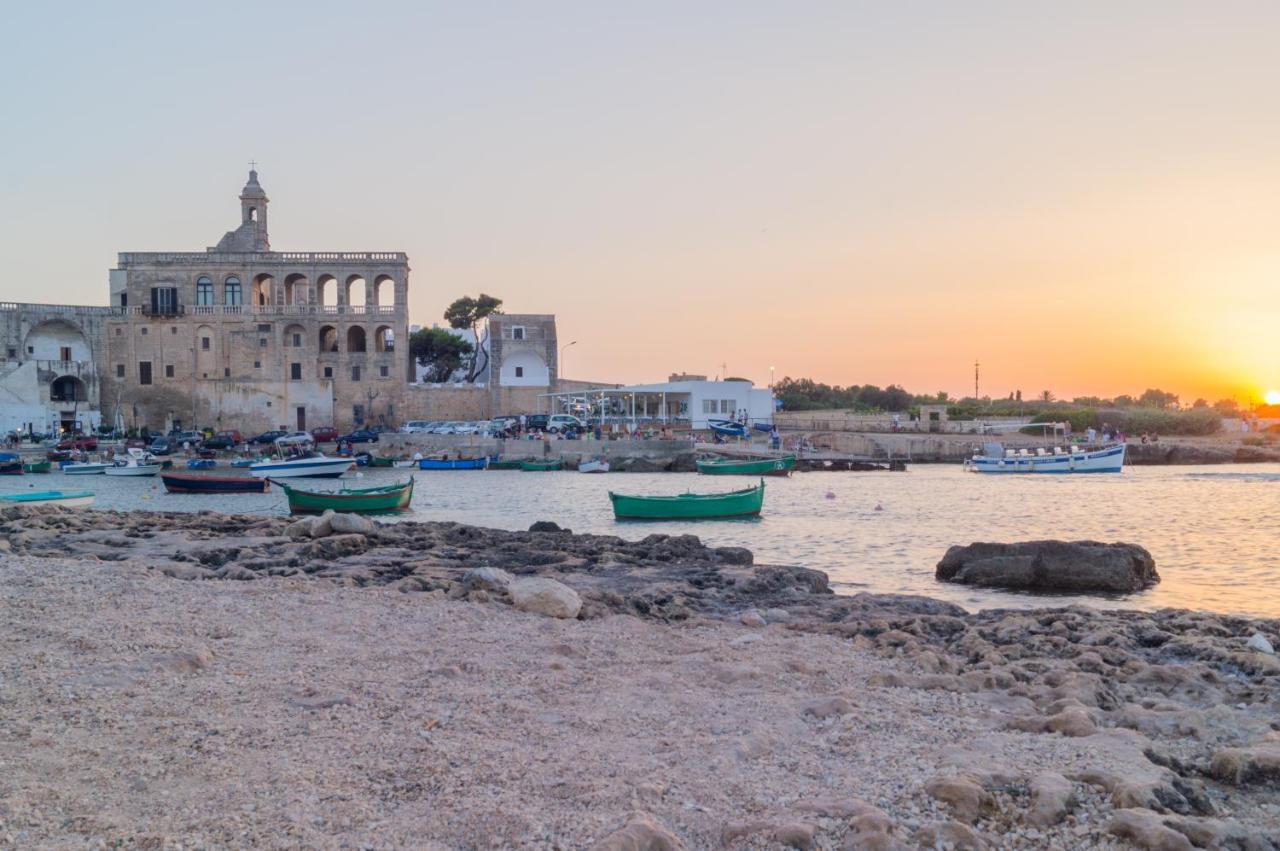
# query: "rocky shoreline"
1054 727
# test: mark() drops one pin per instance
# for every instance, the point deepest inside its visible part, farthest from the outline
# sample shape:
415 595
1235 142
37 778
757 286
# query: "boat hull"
380 500
721 506
753 467
458 464
84 469
192 483
303 468
67 499
593 467
727 428
541 466
36 467
140 470
1108 460
505 464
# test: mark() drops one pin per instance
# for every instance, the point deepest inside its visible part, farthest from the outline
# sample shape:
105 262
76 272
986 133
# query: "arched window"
204 291
231 291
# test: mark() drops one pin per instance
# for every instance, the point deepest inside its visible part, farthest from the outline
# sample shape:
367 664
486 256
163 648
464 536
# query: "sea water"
1212 530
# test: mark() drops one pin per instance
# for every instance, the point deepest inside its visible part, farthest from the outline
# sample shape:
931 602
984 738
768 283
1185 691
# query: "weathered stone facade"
48 375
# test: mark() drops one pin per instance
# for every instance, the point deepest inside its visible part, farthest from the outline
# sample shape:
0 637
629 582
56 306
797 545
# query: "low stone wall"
661 453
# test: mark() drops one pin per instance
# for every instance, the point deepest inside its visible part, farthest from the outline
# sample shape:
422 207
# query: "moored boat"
315 467
595 465
10 464
196 483
366 459
84 468
690 506
68 499
505 464
747 466
138 463
36 466
455 464
380 499
996 459
541 466
201 463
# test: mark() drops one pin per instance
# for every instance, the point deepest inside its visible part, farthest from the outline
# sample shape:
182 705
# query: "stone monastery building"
236 336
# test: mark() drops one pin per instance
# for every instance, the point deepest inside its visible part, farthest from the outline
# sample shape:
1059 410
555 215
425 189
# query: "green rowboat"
541 466
506 464
36 467
352 500
747 467
689 506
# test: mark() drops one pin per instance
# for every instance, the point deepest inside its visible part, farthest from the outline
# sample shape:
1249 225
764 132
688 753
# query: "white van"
561 422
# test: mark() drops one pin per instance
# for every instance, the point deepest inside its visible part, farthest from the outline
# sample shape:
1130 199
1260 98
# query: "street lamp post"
771 377
560 365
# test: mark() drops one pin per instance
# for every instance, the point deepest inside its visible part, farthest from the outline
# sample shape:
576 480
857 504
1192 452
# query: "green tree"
468 312
1200 403
1227 407
1152 398
1046 395
440 351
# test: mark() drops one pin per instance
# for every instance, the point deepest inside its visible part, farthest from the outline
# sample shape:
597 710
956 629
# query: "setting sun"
1272 397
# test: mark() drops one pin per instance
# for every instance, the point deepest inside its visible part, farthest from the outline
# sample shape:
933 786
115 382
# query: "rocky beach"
207 681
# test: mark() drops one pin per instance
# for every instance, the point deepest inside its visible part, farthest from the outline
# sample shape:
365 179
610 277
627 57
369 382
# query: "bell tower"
253 212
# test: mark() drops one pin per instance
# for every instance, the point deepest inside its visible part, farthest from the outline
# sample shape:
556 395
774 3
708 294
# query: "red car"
324 435
79 441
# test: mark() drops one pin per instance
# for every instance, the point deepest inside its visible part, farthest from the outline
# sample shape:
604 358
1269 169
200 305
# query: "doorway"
302 418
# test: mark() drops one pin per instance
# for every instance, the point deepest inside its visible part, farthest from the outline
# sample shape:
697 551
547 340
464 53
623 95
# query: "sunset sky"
1083 196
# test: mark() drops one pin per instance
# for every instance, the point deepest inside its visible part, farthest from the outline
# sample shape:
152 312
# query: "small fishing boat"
727 428
84 468
690 506
365 459
138 463
68 499
357 500
455 464
541 466
406 464
58 455
595 465
201 463
505 464
245 462
10 464
765 427
996 459
36 466
196 483
747 466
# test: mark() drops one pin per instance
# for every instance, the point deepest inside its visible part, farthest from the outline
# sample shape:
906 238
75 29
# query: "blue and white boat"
316 467
67 499
995 458
727 428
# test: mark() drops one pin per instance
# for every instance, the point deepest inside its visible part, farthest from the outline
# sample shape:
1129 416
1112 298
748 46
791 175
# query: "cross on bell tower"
253 210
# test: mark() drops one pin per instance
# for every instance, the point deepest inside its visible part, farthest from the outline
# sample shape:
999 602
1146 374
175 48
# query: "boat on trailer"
67 499
196 483
995 458
690 506
375 500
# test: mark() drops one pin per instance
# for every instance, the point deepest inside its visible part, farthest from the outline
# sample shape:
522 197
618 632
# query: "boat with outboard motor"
137 462
294 461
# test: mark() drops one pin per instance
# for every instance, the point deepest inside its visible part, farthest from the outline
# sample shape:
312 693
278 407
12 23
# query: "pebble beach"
209 681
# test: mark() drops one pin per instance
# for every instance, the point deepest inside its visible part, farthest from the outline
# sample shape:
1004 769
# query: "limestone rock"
1259 642
322 526
1079 567
337 546
752 618
487 579
1052 797
545 597
950 834
352 524
826 707
300 528
795 835
641 833
1145 829
967 799
1256 764
1071 722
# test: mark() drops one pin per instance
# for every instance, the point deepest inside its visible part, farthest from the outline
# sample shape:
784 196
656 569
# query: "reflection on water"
1211 529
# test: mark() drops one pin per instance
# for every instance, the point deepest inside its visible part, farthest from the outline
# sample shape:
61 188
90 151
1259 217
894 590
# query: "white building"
683 402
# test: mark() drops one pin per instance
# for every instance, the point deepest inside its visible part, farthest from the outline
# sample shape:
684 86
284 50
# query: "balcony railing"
263 310
82 309
252 258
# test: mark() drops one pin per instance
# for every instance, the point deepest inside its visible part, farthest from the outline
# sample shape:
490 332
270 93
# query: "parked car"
224 440
268 437
536 422
295 438
161 446
79 441
194 438
324 434
416 427
361 435
564 422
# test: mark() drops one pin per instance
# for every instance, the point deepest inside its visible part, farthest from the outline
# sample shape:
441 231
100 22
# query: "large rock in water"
1064 567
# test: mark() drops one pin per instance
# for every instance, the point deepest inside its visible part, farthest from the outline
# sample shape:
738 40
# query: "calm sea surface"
1212 530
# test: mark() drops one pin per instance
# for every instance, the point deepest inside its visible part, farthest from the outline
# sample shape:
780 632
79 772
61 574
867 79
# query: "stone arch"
356 340
263 292
384 339
206 345
295 336
328 339
327 290
356 286
53 338
67 388
295 289
384 290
